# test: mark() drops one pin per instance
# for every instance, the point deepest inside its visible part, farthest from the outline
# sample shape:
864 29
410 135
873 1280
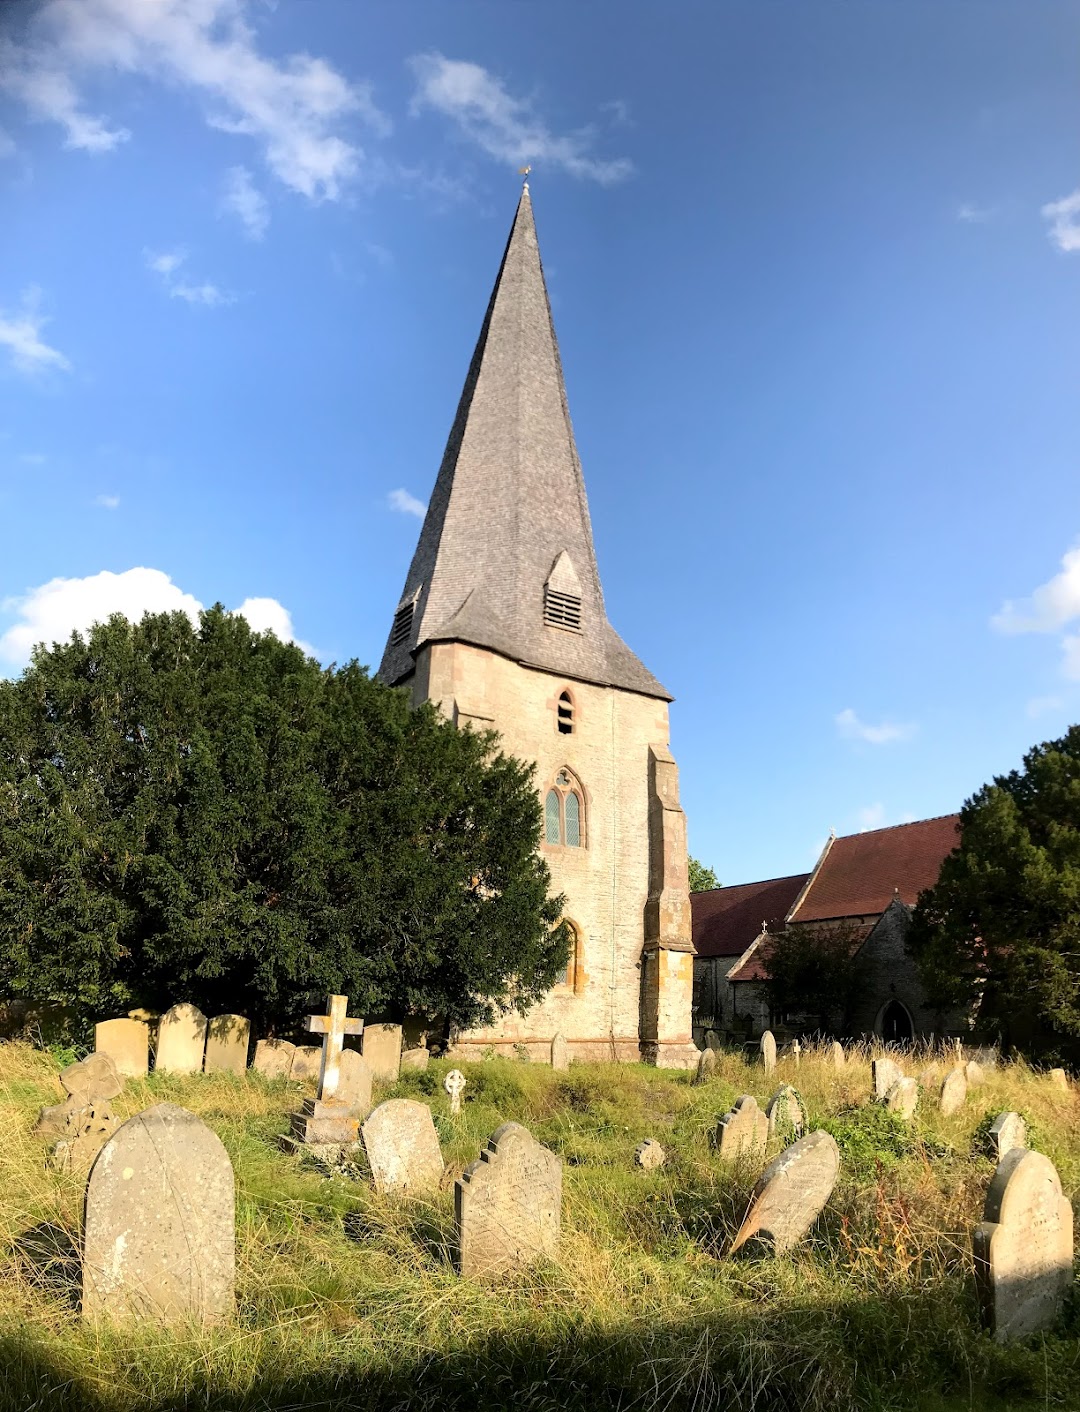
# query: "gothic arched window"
553 817
565 719
564 812
573 978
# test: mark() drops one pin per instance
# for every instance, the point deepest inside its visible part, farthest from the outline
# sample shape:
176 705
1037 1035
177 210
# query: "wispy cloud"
850 727
1050 607
506 128
1064 218
168 263
243 200
20 334
296 109
406 504
970 214
107 502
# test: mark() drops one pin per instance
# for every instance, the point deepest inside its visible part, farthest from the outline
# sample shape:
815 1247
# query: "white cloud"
970 214
871 817
293 108
54 610
20 333
244 200
168 263
1051 606
851 728
407 504
505 127
107 502
1064 218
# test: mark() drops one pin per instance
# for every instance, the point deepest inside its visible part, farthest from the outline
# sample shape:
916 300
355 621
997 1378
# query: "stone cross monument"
324 1121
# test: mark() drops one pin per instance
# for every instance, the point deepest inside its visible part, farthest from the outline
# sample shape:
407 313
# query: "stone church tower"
502 624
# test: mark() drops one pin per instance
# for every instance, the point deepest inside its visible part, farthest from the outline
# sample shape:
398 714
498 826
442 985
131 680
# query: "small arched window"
564 812
566 714
572 810
553 817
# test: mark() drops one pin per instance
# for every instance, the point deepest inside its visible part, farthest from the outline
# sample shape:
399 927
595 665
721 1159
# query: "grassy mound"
346 1300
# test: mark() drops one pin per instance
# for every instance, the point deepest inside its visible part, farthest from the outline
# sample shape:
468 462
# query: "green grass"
346 1300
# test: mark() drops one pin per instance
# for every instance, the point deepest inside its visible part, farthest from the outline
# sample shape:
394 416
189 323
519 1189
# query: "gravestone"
1060 1079
1024 1247
706 1066
306 1062
1008 1132
560 1060
84 1121
768 1051
796 1051
382 1050
649 1155
454 1083
402 1147
837 1055
508 1205
973 1072
160 1229
789 1196
785 1113
712 1040
415 1060
743 1131
903 1098
886 1072
181 1041
94 1079
953 1093
354 1082
227 1040
328 1121
127 1043
274 1058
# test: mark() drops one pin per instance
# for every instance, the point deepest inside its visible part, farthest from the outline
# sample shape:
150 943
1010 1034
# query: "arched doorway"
894 1024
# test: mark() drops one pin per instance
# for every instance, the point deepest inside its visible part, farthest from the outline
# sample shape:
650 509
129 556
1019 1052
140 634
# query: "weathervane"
524 171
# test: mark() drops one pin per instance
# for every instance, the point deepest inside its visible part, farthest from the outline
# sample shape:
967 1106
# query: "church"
501 624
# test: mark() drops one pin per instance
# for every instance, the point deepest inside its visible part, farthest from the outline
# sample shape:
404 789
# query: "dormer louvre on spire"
505 558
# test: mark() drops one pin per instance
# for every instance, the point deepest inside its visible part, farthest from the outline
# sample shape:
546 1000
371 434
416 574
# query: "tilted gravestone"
903 1098
382 1050
789 1196
274 1058
785 1113
127 1043
706 1066
560 1059
181 1041
953 1093
885 1072
306 1062
415 1060
1024 1247
84 1121
1009 1131
649 1155
160 1228
402 1147
768 1051
837 1055
742 1132
227 1040
508 1205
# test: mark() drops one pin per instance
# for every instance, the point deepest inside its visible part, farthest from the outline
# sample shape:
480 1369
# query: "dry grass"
350 1301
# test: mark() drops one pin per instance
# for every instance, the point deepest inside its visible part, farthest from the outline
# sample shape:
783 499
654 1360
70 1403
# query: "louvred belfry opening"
402 625
562 610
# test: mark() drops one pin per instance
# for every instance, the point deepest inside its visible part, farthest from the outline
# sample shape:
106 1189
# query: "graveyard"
765 1232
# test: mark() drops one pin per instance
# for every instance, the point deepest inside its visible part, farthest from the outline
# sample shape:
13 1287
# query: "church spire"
505 558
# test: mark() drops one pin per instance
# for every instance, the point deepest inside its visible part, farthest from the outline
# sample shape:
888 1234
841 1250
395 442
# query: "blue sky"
815 271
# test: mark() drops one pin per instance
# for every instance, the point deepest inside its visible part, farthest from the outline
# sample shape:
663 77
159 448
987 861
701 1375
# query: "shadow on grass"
47 1258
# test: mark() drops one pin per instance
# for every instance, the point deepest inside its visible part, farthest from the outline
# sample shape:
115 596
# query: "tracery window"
564 812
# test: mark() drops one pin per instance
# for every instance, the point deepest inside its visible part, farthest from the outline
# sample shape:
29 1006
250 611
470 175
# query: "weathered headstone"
885 1073
836 1054
415 1060
1024 1247
768 1051
1060 1079
354 1083
649 1155
1009 1131
127 1043
560 1059
274 1058
227 1040
973 1072
706 1066
742 1132
789 1196
94 1079
306 1062
712 1040
903 1098
84 1121
454 1083
508 1205
953 1093
327 1121
402 1147
785 1113
160 1229
181 1040
382 1050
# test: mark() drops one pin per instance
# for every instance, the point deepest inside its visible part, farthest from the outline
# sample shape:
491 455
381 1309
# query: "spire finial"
524 172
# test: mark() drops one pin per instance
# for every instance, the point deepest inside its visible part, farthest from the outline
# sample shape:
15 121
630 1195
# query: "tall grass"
349 1300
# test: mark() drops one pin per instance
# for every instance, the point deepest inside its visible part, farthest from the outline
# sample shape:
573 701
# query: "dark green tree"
813 972
701 879
999 934
206 814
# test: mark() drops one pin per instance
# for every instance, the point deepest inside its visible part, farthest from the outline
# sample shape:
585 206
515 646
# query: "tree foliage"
1000 930
701 879
206 814
813 971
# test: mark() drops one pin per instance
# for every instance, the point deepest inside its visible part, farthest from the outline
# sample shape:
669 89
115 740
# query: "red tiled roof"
862 873
726 919
755 967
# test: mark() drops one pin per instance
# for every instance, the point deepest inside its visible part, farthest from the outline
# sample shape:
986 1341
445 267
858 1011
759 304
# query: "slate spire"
505 558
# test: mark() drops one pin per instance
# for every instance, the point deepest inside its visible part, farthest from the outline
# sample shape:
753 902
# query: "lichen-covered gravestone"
306 1062
785 1113
768 1051
354 1082
903 1098
953 1093
973 1072
274 1058
649 1155
560 1059
886 1072
181 1040
742 1132
507 1205
415 1060
227 1040
706 1066
836 1054
84 1121
1024 1247
789 1196
402 1147
160 1229
127 1043
382 1050
1008 1132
